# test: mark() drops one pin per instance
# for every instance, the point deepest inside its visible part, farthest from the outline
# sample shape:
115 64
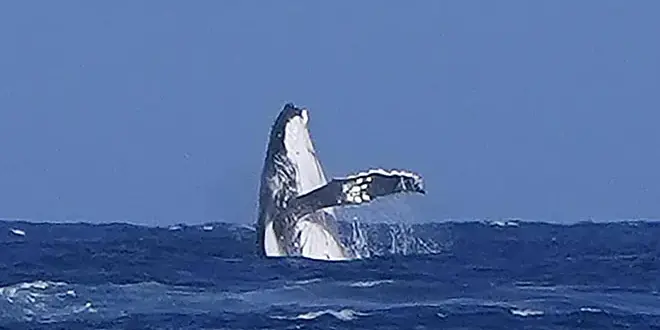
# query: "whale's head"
291 153
289 128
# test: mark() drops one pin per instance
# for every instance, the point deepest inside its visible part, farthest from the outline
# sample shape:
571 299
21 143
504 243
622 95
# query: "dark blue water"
514 275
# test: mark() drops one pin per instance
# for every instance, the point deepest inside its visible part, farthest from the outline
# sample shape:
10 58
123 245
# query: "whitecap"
39 284
309 281
526 312
42 301
17 232
86 307
369 284
590 310
343 315
506 223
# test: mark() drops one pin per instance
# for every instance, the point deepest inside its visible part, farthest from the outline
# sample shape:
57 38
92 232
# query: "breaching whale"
296 203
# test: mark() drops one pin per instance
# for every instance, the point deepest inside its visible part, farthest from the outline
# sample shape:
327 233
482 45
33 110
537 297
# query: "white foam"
526 312
303 282
41 301
87 307
248 227
11 292
344 315
505 223
369 284
591 310
17 232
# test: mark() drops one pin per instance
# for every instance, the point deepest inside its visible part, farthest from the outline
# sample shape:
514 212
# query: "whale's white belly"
316 240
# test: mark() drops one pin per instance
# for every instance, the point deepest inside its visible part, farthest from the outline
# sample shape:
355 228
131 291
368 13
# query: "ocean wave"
369 284
41 301
526 312
71 272
364 239
591 310
343 315
17 232
309 281
47 301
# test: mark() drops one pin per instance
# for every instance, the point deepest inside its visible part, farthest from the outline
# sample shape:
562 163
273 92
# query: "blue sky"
157 112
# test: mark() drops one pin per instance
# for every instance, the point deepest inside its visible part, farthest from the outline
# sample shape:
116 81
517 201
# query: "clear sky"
157 112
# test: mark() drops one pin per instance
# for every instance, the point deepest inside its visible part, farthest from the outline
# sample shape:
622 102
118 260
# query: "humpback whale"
296 202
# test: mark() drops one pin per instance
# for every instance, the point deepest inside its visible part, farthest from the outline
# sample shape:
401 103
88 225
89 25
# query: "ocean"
446 275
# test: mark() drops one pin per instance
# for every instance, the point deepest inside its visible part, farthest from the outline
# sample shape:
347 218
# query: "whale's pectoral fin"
366 186
356 189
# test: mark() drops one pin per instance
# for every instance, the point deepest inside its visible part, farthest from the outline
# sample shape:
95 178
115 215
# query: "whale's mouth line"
297 202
